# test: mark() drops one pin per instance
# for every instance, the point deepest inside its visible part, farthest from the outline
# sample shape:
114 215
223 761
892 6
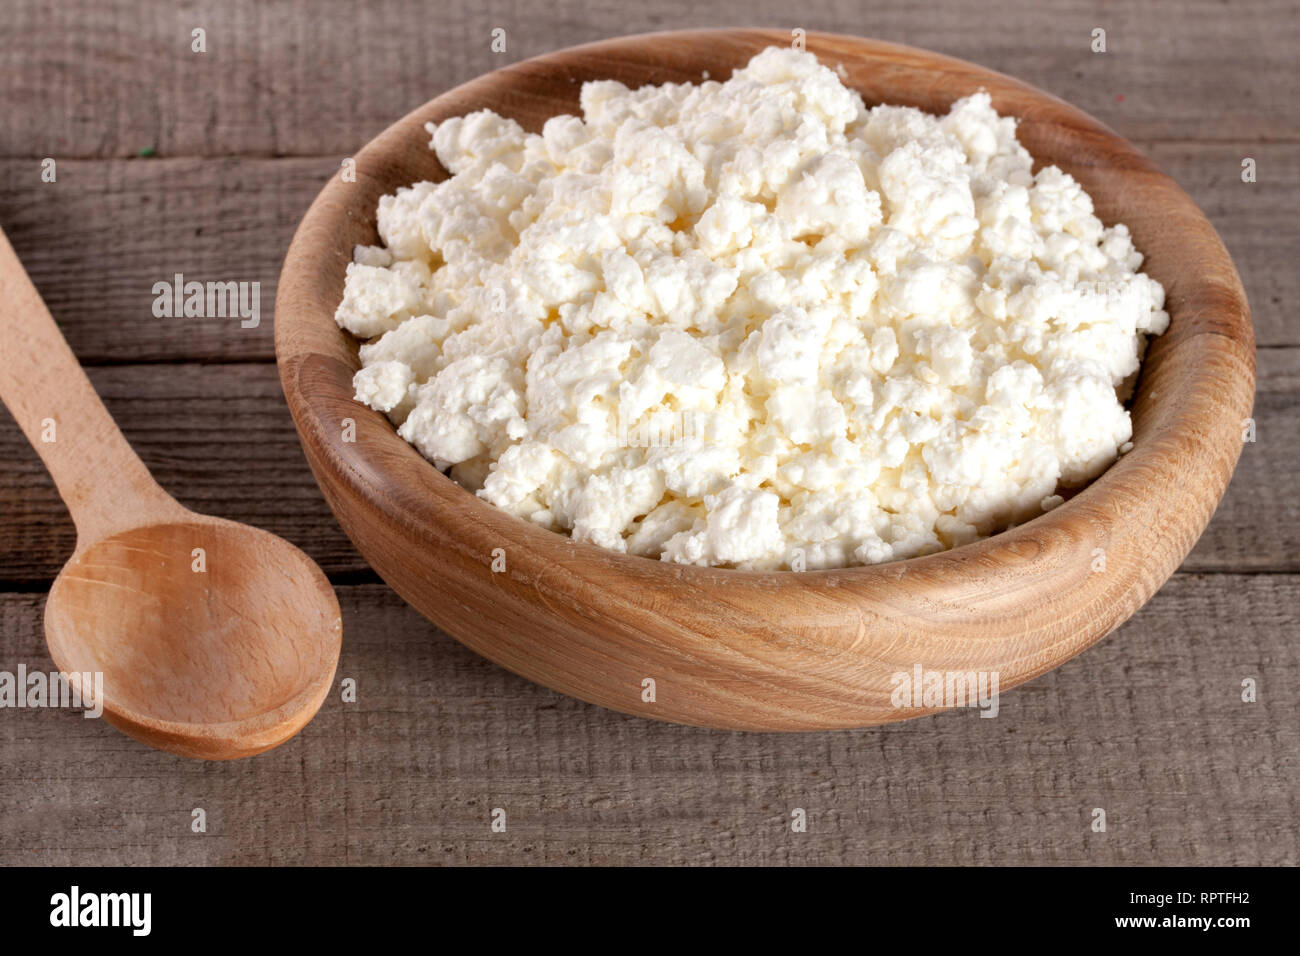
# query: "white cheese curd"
753 323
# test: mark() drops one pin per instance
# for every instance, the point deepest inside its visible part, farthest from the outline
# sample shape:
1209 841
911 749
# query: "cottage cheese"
753 323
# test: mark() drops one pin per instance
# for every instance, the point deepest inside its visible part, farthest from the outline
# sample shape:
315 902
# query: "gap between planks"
1143 142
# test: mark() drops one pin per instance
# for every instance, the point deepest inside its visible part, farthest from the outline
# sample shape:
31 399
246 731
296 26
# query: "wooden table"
174 161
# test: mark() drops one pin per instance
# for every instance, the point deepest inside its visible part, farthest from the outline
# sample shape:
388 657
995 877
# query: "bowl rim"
1205 359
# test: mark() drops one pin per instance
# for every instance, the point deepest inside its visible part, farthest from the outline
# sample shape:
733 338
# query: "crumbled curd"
753 323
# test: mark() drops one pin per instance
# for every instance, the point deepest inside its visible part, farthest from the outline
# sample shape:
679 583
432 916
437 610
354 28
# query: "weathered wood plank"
96 241
95 78
220 438
1259 222
1254 528
1149 725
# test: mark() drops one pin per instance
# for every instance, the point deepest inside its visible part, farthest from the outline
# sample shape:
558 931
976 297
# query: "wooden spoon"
215 640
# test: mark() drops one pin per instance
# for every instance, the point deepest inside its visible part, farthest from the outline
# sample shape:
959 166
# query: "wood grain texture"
232 219
1148 725
103 482
207 638
221 439
780 651
218 436
224 220
1137 723
107 78
214 640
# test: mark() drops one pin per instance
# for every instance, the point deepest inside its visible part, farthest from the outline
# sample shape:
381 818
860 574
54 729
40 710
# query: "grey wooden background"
236 141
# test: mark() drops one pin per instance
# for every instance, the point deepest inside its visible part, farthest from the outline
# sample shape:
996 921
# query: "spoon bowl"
207 634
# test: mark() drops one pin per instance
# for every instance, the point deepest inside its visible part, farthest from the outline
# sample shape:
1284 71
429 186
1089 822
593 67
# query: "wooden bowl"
779 650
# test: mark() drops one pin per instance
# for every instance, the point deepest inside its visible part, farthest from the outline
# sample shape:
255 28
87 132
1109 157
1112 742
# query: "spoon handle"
103 482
